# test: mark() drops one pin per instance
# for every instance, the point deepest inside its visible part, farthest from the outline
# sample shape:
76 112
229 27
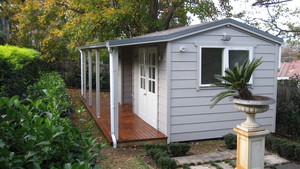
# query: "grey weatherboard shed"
173 60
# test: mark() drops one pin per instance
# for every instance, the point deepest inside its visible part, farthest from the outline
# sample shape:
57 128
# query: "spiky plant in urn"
237 82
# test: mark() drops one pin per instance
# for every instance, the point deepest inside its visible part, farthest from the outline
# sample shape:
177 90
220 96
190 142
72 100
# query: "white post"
97 84
114 108
84 74
90 78
81 71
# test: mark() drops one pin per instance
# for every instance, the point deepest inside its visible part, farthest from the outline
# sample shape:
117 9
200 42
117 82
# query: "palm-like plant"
236 81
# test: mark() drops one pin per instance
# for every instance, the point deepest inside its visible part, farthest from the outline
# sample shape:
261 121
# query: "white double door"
148 72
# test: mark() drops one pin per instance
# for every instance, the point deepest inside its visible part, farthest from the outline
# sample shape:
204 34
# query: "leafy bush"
230 141
163 147
159 155
283 147
50 87
179 149
288 110
20 68
35 135
287 150
17 56
166 163
297 152
153 152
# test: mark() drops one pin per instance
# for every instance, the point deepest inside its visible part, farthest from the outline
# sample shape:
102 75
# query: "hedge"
35 135
160 153
20 68
281 146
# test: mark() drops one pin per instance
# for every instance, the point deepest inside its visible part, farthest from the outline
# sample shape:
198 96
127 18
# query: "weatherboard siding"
191 117
127 76
162 89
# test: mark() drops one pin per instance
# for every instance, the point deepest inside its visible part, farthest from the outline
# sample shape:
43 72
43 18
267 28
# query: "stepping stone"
203 167
288 166
274 160
224 165
205 157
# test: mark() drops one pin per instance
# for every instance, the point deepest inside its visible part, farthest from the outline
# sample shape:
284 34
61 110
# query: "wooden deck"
132 129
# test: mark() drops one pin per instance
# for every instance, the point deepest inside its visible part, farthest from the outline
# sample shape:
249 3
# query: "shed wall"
191 115
126 70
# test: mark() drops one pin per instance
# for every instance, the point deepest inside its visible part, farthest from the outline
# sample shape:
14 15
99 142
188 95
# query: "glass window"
237 57
211 64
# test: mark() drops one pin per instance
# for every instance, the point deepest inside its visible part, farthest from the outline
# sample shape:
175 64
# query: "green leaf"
43 143
57 134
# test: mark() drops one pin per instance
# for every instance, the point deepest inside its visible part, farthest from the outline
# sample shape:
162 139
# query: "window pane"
211 64
153 59
153 87
149 87
237 56
153 73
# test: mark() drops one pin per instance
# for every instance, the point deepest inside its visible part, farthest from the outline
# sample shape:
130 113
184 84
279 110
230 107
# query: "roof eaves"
256 31
95 46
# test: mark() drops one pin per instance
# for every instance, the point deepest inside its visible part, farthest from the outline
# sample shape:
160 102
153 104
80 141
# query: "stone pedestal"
250 149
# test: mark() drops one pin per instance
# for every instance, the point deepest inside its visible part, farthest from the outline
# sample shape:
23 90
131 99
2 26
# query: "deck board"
131 127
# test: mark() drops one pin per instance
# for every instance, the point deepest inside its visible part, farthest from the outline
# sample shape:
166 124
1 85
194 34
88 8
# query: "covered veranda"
118 122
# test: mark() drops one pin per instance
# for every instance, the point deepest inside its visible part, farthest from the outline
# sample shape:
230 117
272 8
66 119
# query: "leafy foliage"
284 147
19 68
55 27
236 81
35 135
230 141
179 149
288 111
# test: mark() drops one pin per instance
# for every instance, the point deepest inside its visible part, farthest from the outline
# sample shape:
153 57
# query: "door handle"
145 94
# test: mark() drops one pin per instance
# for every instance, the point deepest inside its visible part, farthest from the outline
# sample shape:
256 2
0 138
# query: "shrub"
20 68
153 152
230 141
50 87
35 135
287 150
159 155
179 149
297 153
163 147
288 110
166 163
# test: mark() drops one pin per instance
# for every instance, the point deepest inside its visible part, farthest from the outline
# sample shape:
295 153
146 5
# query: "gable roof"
176 33
173 34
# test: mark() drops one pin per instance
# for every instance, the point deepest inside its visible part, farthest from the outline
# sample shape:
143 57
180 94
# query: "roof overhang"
96 46
187 32
195 30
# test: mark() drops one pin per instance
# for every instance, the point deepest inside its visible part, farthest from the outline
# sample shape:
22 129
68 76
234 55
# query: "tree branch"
268 2
70 8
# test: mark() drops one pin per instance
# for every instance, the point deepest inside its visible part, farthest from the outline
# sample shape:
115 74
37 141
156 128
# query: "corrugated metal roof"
176 33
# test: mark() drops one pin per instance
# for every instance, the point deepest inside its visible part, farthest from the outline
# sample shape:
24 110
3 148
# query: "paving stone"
274 160
288 166
203 167
188 159
224 165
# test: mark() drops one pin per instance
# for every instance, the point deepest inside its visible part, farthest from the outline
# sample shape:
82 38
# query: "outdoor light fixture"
182 49
226 37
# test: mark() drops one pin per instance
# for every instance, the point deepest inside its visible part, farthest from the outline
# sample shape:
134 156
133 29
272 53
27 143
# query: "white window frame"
225 60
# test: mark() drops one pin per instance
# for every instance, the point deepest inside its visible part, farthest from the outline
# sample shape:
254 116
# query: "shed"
165 79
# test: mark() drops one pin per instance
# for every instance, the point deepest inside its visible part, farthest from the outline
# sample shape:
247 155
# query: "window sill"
213 87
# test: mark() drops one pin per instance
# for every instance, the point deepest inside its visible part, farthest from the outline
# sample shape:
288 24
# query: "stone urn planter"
259 104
